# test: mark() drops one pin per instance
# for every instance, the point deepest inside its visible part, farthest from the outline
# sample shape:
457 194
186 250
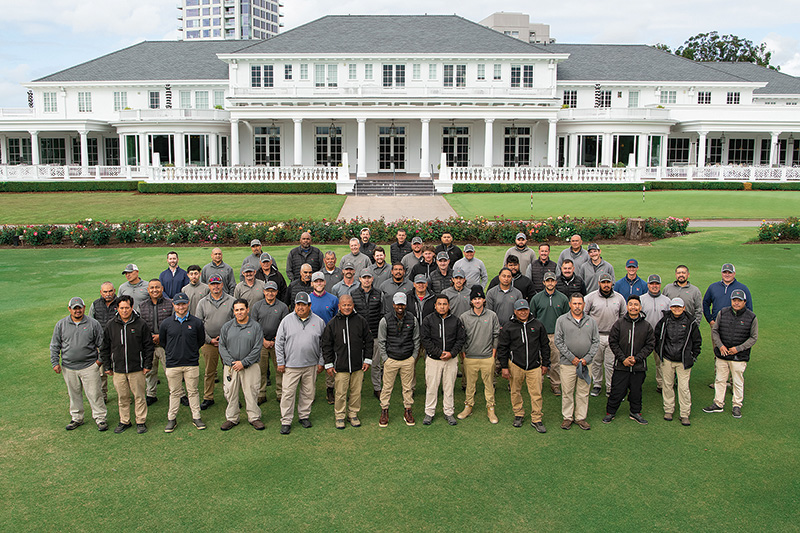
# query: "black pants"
623 382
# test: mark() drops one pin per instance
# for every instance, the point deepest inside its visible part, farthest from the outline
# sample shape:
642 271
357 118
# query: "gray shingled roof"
633 62
155 60
389 34
777 82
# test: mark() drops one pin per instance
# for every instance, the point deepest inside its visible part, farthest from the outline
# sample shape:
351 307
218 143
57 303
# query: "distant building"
518 25
229 19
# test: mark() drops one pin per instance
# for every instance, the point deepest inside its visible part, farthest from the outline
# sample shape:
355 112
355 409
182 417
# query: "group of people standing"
570 321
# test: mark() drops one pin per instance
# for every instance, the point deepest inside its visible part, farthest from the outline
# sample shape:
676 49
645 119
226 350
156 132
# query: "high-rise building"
229 19
518 25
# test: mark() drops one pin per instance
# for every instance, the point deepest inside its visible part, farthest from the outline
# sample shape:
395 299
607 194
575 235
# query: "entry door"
391 149
455 145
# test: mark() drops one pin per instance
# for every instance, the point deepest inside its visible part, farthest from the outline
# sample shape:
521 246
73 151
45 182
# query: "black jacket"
538 269
423 268
298 256
346 343
370 306
678 339
522 283
276 276
398 251
182 340
523 343
417 309
367 249
631 337
567 287
400 336
439 281
295 287
127 347
734 329
453 252
439 334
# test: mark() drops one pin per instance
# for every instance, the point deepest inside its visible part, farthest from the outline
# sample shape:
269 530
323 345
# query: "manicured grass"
720 473
659 204
64 208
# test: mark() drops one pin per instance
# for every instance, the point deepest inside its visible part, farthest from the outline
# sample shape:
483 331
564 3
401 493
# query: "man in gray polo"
690 294
196 290
414 258
251 289
299 356
474 269
605 306
501 297
135 287
397 283
358 259
654 304
480 351
217 267
269 312
524 254
214 310
575 252
349 282
74 353
381 270
333 274
591 270
253 259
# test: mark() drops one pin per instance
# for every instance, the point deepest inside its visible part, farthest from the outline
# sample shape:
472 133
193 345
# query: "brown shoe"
257 424
668 417
331 396
408 416
492 416
556 390
465 413
583 424
566 424
227 425
384 421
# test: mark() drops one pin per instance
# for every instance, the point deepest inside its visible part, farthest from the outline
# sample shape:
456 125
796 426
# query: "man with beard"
302 255
253 259
525 255
605 306
400 247
591 270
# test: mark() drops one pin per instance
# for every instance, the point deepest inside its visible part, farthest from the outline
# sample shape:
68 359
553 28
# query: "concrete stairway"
384 185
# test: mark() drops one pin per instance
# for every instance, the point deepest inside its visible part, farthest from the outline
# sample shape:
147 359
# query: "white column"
179 149
235 142
552 142
573 150
3 150
641 155
298 141
701 148
789 151
773 148
425 142
123 151
35 150
144 151
488 145
361 160
606 152
213 158
664 145
84 152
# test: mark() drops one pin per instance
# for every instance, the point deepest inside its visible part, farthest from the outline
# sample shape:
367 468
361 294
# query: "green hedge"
605 187
67 186
238 188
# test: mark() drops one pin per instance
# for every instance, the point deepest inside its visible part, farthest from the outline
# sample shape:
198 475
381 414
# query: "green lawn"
721 473
70 207
659 204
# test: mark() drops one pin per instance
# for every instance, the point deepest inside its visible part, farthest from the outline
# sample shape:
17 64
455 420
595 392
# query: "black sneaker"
73 424
737 412
286 429
517 423
150 400
427 420
608 418
205 404
538 426
102 426
331 396
636 417
595 391
451 420
185 401
713 408
122 427
659 390
171 425
141 428
305 422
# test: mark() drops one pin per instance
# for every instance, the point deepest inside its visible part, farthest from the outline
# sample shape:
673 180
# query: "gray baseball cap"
399 298
459 273
654 278
255 242
549 275
605 276
76 302
248 268
348 265
265 257
420 278
592 246
728 267
521 304
469 248
317 275
180 298
677 302
130 268
737 294
365 273
521 235
416 240
271 285
302 298
442 255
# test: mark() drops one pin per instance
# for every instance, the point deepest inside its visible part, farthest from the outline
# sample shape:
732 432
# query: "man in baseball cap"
135 287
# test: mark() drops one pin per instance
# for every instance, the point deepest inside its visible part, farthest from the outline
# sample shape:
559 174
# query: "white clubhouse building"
347 97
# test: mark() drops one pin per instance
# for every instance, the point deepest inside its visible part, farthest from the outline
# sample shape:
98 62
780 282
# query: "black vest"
399 336
734 329
104 313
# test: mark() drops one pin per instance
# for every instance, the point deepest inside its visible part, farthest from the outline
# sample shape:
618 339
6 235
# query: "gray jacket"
195 294
690 295
252 294
576 338
297 342
389 288
340 289
578 259
459 300
605 311
380 274
76 345
223 270
654 307
591 274
483 332
526 256
474 271
240 342
332 278
502 303
359 261
269 316
138 292
214 314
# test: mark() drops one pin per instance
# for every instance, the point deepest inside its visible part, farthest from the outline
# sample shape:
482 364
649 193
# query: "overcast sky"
40 37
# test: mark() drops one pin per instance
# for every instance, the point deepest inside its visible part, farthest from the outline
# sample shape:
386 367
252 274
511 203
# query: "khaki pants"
659 371
248 381
436 372
603 359
104 386
191 376
669 369
376 370
267 355
555 368
152 377
127 384
573 408
533 379
736 370
392 367
484 367
85 380
211 357
306 378
344 383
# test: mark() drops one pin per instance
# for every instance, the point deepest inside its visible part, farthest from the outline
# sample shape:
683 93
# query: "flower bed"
478 230
788 230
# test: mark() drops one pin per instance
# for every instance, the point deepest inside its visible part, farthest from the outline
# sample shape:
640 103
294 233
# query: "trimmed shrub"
67 186
606 187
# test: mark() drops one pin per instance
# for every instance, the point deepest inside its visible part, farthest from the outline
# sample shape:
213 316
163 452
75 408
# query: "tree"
713 47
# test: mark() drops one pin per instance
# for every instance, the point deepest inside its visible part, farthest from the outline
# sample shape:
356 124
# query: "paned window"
50 102
84 102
